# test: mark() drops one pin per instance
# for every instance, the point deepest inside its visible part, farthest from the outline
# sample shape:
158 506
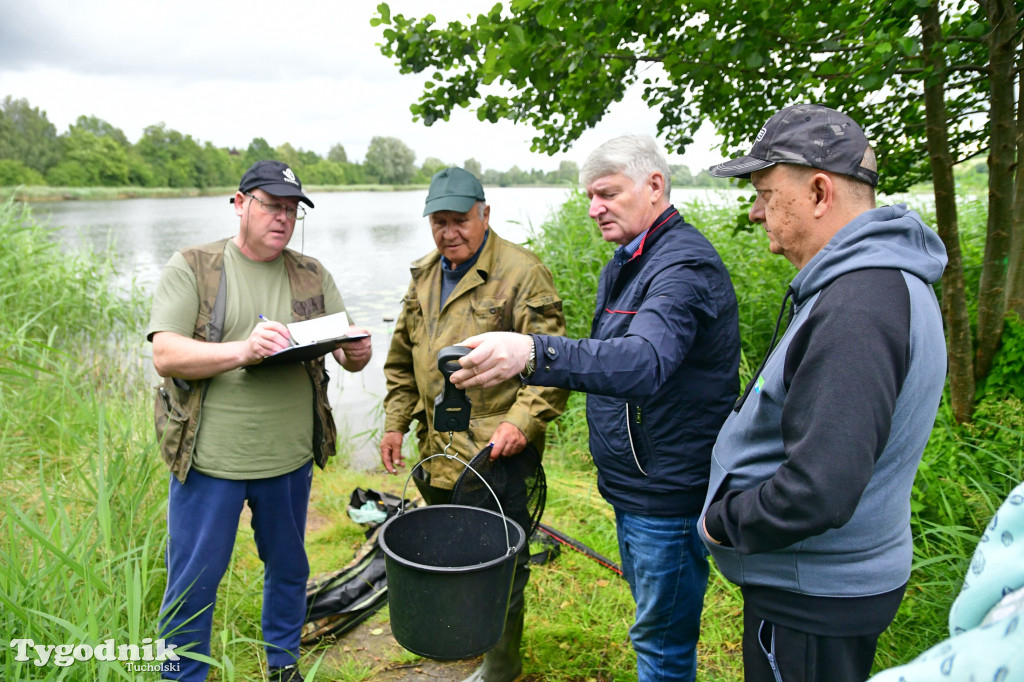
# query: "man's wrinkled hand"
496 357
391 451
507 440
265 339
354 355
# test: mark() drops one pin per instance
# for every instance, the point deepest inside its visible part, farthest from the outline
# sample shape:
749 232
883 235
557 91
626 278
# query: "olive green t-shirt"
256 422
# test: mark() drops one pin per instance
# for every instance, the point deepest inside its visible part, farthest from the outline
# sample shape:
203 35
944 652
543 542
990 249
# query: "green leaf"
976 29
546 14
516 34
909 45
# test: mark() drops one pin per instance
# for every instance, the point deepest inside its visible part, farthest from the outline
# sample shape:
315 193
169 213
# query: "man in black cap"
808 505
474 281
233 432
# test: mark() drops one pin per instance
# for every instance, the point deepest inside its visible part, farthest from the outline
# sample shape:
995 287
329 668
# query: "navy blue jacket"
660 368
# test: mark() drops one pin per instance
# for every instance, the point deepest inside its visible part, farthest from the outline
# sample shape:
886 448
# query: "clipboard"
309 351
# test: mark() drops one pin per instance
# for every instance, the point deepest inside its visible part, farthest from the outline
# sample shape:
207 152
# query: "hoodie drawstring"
771 347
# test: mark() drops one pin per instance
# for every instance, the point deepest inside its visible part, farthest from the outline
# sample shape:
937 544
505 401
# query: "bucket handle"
401 506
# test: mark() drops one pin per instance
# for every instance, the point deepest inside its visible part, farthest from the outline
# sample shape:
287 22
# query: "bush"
68 174
324 173
1007 374
13 173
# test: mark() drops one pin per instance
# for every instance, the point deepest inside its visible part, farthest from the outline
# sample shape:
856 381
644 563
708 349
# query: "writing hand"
265 339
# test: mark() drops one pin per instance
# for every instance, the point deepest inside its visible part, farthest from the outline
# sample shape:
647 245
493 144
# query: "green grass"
83 496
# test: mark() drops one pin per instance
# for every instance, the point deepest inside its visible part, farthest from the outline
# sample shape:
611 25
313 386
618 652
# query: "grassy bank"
83 496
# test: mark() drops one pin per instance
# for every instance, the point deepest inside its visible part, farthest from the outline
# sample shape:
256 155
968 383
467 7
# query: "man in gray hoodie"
808 504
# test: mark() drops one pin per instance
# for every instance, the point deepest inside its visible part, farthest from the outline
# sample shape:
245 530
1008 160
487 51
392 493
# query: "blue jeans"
202 520
666 565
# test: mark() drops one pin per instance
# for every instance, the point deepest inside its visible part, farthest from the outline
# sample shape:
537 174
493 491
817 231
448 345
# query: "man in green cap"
474 281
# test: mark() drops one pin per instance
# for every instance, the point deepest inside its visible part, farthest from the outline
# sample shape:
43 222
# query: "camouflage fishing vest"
179 402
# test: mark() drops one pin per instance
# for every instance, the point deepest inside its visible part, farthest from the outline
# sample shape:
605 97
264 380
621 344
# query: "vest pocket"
173 416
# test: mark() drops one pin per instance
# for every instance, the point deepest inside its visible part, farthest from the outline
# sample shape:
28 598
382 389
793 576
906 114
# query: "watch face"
531 363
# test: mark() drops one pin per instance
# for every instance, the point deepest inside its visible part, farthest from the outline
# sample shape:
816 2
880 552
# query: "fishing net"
517 481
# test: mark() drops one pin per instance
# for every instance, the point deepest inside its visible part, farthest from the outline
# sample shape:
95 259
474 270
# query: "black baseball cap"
805 135
453 189
273 177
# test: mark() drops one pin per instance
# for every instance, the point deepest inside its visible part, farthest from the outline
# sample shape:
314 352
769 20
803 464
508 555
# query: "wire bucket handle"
401 506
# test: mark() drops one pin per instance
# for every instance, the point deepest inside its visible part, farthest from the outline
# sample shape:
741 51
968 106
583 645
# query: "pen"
291 341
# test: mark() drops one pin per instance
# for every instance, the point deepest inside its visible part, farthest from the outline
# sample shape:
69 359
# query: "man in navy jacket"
808 507
660 371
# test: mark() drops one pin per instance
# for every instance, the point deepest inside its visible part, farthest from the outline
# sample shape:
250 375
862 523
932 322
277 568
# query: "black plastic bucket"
449 571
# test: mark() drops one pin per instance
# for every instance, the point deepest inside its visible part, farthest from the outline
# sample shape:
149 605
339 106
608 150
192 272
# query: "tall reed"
80 530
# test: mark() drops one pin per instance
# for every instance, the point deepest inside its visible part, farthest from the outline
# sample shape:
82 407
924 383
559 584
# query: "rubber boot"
502 663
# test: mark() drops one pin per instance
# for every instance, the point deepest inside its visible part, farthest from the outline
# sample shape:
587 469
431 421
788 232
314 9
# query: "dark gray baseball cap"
805 135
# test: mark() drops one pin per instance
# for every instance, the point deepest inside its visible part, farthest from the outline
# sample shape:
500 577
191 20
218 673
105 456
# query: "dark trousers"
773 653
202 520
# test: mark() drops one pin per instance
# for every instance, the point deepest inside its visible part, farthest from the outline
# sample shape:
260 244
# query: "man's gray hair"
635 156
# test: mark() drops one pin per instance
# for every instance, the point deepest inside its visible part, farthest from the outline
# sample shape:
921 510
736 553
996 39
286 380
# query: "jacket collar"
430 265
668 218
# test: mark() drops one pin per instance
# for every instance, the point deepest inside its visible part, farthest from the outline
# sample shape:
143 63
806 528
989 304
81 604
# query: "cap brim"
285 190
739 168
457 204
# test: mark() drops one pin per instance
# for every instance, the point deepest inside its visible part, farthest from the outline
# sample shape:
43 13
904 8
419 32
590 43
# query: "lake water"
366 239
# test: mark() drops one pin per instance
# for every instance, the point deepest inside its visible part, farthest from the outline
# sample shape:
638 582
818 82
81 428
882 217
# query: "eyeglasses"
291 213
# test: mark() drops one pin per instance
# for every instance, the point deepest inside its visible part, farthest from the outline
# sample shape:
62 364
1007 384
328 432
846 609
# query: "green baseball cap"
453 189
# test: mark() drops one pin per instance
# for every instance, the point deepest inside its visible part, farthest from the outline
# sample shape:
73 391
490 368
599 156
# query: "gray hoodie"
811 474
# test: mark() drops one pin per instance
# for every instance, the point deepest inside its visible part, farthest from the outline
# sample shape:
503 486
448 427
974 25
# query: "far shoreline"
41 194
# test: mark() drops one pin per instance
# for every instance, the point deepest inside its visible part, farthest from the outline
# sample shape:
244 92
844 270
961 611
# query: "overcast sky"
225 72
